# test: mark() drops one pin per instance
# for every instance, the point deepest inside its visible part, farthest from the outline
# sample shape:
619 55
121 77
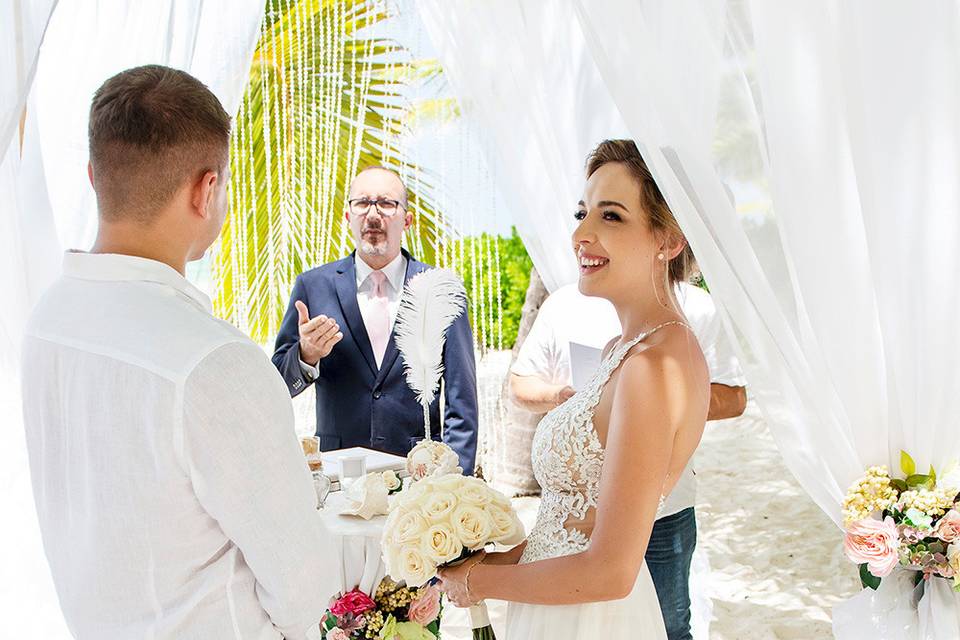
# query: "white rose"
440 545
446 462
500 500
390 480
408 527
437 506
507 528
472 526
451 483
474 491
412 493
414 568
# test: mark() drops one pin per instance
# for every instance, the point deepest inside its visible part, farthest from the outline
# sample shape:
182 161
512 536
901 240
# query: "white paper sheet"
584 361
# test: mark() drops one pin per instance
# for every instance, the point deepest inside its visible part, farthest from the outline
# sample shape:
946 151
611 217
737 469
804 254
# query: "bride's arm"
639 445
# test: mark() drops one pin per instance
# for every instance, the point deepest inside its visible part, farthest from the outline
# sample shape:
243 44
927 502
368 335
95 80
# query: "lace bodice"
567 460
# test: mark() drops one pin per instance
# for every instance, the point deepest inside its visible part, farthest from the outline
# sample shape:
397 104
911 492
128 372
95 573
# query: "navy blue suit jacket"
359 405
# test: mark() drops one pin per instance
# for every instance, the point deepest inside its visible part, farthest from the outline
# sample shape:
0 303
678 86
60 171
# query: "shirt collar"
116 267
396 271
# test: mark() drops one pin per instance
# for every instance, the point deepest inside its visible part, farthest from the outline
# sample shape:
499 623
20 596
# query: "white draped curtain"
520 70
46 203
811 152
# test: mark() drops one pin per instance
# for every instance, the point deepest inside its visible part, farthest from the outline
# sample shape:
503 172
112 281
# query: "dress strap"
626 346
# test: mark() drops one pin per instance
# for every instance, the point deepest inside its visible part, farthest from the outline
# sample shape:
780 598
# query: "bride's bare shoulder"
669 360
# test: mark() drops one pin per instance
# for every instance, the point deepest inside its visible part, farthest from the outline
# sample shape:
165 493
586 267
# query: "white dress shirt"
569 316
396 272
172 494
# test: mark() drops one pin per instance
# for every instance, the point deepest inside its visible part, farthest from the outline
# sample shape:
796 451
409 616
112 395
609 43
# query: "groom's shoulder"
141 323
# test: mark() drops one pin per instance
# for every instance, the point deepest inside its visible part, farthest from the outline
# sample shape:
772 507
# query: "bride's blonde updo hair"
684 266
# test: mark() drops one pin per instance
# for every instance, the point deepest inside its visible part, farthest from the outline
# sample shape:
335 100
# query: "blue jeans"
668 559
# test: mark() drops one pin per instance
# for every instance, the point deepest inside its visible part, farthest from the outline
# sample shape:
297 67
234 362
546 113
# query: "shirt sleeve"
248 471
310 372
539 354
717 348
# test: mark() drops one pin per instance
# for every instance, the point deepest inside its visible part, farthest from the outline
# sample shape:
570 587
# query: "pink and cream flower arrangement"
911 522
395 611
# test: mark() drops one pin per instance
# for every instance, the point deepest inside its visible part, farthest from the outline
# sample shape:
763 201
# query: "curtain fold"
836 289
46 202
520 70
810 152
24 24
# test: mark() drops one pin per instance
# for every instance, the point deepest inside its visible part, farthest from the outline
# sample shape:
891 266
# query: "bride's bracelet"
466 580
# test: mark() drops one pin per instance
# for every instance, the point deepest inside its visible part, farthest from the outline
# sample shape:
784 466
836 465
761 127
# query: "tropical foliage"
496 273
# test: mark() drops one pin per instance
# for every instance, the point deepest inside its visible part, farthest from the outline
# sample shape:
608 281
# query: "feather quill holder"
431 301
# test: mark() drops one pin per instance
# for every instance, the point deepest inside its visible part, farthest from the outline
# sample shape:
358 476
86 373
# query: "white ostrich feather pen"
431 301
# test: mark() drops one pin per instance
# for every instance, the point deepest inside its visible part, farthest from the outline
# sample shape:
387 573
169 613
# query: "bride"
607 457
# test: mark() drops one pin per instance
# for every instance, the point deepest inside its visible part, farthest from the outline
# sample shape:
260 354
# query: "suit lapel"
347 294
391 353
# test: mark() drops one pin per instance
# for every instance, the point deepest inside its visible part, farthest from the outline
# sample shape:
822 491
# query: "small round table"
357 544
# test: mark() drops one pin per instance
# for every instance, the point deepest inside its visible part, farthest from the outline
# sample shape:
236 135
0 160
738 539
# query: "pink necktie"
378 320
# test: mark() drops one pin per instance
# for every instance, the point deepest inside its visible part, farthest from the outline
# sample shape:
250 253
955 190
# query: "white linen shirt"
396 272
172 494
569 316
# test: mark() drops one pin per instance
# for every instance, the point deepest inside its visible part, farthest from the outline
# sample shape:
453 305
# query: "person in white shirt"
174 500
543 377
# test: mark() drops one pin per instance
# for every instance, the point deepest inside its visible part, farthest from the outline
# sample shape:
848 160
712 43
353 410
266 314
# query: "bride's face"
615 246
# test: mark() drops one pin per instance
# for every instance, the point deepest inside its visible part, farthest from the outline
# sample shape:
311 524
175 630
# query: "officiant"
337 334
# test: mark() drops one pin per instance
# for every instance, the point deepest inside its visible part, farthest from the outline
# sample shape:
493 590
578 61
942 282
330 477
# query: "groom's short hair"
153 128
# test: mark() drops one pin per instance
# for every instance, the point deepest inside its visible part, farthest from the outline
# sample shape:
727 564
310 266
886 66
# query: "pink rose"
337 634
425 608
355 602
948 528
875 543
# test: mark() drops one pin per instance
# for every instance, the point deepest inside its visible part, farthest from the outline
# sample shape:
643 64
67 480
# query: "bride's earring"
660 256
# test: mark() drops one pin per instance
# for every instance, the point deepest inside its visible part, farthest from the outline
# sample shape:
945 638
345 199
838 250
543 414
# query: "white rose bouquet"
442 519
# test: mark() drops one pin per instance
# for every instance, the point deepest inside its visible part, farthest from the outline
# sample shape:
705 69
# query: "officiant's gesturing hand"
317 335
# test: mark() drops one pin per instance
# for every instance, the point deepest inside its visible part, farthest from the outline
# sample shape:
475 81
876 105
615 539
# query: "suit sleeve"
286 350
460 390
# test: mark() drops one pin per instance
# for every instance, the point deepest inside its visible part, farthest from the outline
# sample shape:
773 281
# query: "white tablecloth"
357 544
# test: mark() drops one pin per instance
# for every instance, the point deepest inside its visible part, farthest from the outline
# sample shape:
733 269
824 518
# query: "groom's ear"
90 173
407 220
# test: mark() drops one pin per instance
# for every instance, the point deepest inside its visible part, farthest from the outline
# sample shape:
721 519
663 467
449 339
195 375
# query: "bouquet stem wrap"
480 622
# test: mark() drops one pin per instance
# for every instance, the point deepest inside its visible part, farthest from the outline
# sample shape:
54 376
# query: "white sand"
777 561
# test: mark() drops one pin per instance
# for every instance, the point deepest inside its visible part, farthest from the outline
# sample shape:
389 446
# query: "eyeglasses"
385 206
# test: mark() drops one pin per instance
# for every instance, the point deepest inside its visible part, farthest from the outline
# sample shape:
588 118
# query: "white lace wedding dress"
567 459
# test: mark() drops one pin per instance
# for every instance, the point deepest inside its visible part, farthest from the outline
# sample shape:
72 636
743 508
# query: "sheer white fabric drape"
520 70
46 202
844 316
811 152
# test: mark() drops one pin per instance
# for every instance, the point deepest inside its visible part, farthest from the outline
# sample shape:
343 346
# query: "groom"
338 334
172 494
